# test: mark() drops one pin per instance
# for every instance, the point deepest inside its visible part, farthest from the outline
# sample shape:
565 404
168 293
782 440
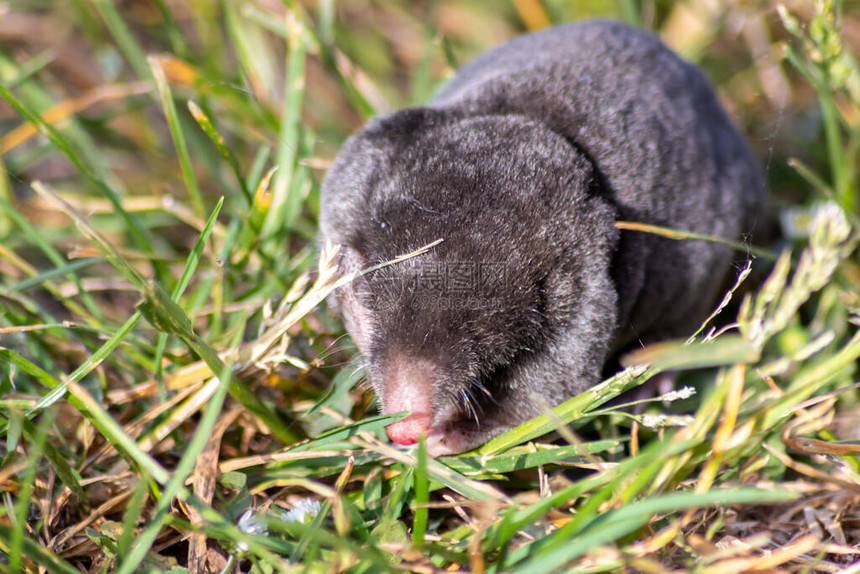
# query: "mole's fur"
522 164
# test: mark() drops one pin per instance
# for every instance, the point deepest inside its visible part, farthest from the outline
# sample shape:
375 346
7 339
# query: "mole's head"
447 332
440 331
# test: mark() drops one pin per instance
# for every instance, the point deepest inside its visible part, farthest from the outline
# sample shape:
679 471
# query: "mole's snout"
407 431
408 386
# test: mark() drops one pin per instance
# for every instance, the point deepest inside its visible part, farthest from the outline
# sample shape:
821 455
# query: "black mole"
522 164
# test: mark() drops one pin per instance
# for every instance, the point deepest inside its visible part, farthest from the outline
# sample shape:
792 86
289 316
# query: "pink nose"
407 431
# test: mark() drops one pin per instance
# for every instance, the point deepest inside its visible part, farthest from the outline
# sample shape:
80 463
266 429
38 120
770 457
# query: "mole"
522 164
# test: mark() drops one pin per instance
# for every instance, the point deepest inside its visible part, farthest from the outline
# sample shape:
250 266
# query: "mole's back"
664 149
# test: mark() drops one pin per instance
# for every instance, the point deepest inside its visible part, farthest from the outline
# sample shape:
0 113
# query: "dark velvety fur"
522 163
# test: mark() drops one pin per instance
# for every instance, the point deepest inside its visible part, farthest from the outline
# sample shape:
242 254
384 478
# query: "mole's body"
522 164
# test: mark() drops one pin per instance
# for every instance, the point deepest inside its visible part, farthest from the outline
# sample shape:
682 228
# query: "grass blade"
183 469
286 200
169 109
422 496
560 548
568 411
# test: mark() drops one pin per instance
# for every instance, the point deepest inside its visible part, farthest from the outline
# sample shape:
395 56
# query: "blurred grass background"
126 284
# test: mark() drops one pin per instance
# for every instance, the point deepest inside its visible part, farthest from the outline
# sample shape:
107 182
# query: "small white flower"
305 510
251 522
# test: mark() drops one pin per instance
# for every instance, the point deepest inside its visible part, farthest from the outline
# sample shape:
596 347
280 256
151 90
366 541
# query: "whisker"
469 405
332 348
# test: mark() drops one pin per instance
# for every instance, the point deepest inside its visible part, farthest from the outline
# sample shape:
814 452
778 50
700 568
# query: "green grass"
175 397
